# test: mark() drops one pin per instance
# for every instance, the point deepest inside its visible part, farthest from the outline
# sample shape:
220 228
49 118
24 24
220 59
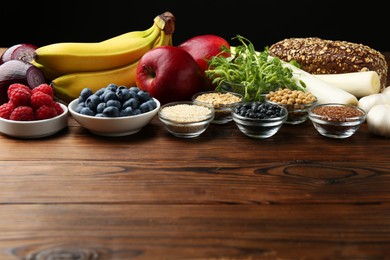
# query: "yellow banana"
68 57
71 57
132 34
164 21
51 74
69 86
164 39
96 70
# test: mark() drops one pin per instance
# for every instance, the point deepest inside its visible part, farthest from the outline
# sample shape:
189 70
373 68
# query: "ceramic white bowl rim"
113 126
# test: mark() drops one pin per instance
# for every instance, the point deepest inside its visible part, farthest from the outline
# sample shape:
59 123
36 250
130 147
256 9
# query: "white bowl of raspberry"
32 113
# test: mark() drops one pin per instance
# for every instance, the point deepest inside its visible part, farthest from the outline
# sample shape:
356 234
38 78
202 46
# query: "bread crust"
321 56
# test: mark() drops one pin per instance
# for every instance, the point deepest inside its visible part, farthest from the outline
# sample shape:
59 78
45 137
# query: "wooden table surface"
222 195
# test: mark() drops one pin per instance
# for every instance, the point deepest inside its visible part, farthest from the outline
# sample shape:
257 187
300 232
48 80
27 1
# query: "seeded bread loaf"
319 56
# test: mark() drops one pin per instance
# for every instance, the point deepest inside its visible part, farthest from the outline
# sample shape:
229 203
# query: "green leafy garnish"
252 73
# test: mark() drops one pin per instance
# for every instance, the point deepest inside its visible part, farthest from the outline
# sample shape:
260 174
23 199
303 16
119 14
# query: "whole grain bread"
321 56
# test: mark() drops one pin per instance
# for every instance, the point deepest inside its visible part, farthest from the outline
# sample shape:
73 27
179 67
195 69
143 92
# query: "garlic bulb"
367 102
378 120
386 91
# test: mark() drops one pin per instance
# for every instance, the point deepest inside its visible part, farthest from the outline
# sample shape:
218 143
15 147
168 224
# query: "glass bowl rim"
313 115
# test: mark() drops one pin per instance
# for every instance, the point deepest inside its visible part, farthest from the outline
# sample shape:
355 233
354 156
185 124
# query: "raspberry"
14 86
22 113
45 88
19 96
45 112
6 109
39 99
57 107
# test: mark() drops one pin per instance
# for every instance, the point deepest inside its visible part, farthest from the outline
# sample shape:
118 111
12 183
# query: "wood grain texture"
296 195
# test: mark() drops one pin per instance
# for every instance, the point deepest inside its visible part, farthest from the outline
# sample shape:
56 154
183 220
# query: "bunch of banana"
72 66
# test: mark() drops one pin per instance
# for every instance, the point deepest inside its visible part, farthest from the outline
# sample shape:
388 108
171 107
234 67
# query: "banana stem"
166 22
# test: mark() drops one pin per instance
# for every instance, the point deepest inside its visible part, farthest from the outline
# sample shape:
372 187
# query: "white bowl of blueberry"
114 110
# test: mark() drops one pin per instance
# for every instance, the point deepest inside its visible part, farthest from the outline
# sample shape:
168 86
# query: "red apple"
169 74
202 48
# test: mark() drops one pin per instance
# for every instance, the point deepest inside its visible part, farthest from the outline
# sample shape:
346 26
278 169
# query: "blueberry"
146 107
84 94
123 94
132 102
109 95
143 96
137 111
114 103
92 101
135 89
153 103
122 87
112 87
111 112
87 111
128 111
79 107
101 107
100 91
261 115
133 94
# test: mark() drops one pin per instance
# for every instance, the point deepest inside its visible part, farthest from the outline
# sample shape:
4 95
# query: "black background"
261 22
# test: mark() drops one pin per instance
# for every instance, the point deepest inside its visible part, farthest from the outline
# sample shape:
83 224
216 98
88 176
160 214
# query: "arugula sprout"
249 72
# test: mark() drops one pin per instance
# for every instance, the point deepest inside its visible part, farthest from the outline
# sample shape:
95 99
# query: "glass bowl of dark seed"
336 120
114 110
259 119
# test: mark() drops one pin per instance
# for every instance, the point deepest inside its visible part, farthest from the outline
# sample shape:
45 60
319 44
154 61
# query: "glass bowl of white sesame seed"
186 119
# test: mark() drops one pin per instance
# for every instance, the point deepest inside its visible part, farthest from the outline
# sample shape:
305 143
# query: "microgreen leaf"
253 73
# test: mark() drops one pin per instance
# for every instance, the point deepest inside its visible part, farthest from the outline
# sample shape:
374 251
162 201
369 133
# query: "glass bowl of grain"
222 101
336 120
186 119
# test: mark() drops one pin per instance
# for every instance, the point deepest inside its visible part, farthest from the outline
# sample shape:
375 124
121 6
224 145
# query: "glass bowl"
297 103
185 119
336 120
222 101
255 120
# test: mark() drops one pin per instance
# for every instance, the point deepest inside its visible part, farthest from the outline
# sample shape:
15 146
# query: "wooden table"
222 195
